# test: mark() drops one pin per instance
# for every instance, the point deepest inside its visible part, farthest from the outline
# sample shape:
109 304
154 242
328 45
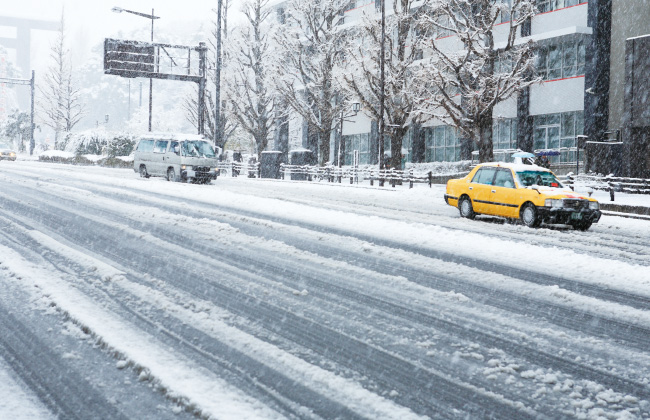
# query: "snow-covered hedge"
440 168
61 156
98 142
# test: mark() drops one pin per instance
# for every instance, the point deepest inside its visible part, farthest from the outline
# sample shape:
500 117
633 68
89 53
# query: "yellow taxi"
530 193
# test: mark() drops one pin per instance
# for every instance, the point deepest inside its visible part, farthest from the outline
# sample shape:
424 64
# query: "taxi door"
503 194
480 187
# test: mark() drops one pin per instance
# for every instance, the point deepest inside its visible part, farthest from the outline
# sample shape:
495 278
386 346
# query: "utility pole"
151 79
217 94
382 78
31 118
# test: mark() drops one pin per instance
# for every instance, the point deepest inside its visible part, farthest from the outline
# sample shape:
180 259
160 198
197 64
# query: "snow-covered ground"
276 299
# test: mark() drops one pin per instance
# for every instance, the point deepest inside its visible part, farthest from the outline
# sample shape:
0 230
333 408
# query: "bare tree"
401 52
226 122
61 108
249 94
310 44
465 82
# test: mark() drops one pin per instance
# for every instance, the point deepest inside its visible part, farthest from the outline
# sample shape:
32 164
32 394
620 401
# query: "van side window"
161 146
145 146
175 148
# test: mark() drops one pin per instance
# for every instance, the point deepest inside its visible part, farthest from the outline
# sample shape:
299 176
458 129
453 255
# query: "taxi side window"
504 178
484 176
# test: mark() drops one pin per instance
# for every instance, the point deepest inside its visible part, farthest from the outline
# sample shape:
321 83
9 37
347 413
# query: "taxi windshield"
539 178
197 148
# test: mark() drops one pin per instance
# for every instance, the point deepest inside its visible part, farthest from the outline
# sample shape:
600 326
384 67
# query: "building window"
563 60
504 133
505 14
550 5
360 142
442 144
558 132
281 16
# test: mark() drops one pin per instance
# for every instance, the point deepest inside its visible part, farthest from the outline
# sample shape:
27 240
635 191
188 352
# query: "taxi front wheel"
465 208
529 215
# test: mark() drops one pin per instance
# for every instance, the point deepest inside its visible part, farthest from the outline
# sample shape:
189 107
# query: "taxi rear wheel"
465 208
529 216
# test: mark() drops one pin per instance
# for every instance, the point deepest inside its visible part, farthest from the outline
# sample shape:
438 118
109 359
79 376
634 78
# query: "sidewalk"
625 205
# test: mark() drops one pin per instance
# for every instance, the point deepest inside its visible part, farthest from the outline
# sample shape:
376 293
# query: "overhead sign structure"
131 59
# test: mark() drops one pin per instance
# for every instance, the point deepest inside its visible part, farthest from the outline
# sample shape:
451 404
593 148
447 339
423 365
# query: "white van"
185 158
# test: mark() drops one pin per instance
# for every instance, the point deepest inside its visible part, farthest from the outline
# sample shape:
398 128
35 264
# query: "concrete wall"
630 18
555 96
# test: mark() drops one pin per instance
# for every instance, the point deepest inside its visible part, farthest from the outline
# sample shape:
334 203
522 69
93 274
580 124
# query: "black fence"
609 183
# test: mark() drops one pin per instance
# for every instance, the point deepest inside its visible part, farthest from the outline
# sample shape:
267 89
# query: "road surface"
124 297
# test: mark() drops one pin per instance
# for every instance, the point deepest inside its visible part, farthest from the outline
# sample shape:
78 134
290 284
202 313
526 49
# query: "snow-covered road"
123 297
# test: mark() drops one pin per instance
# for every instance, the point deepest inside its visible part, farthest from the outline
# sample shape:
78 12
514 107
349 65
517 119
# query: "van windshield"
197 148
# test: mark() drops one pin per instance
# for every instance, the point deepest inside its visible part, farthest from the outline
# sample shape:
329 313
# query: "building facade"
581 58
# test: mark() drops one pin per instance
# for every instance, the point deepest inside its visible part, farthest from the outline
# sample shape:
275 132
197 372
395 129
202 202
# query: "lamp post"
152 17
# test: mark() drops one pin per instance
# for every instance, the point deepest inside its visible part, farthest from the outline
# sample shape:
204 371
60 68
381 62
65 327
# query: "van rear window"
145 146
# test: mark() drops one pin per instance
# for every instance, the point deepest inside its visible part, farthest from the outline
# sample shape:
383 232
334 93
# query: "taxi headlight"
553 203
593 205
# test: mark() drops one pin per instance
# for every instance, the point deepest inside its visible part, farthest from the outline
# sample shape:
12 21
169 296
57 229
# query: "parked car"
530 193
183 158
6 152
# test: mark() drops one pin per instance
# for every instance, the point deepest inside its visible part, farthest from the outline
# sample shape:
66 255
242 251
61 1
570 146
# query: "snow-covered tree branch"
61 105
471 67
310 46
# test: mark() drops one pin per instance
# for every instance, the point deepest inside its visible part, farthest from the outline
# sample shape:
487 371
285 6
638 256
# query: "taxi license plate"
576 216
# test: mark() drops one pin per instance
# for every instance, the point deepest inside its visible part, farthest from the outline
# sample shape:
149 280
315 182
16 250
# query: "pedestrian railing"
234 169
609 183
359 174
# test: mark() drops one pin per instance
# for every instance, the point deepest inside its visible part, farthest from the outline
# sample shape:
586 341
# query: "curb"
623 208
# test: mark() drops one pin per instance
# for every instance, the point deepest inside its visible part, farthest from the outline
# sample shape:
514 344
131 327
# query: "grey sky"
90 21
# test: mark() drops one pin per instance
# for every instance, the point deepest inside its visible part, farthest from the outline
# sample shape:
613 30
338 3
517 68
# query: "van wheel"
143 172
171 175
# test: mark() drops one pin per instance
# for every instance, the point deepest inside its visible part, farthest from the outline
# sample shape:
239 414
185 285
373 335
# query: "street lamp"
152 17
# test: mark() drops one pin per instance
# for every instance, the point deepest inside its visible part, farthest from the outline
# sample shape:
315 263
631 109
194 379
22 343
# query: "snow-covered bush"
99 142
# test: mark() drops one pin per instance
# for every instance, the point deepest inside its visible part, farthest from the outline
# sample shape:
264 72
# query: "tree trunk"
485 144
396 150
324 144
